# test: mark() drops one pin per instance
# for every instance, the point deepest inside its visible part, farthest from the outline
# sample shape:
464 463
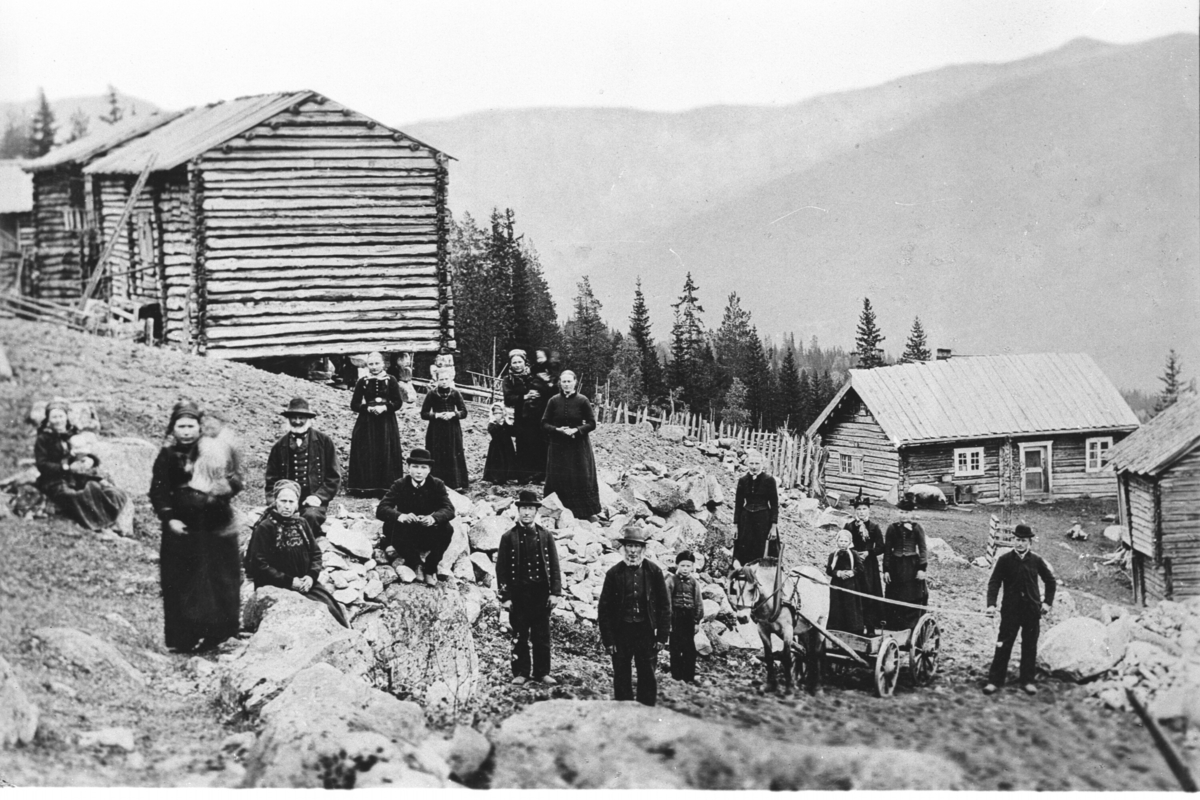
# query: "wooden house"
993 428
1158 474
278 225
16 219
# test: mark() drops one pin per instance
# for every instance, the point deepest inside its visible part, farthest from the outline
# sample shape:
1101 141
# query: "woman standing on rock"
443 408
904 564
755 511
69 482
376 455
570 463
283 551
194 481
527 395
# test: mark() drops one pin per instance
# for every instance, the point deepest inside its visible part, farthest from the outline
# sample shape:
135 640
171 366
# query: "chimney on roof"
943 354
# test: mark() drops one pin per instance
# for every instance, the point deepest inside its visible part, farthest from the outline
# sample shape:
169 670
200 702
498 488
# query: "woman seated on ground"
79 491
283 551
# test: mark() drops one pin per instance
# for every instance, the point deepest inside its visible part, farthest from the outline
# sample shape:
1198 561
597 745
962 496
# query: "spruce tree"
917 347
41 129
868 338
479 320
589 346
808 399
687 348
625 377
791 397
115 112
653 386
760 399
1171 383
734 407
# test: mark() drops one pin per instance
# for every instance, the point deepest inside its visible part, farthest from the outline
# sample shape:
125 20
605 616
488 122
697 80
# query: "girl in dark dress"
527 395
283 551
376 455
501 464
75 488
443 408
194 479
844 570
904 564
570 463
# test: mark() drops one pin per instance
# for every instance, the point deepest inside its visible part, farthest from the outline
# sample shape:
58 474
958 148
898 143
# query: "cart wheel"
887 668
923 650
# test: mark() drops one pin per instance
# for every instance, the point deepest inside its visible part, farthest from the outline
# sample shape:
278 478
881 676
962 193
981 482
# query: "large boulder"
462 504
352 540
661 495
425 642
485 533
942 551
329 730
18 716
694 484
460 545
293 633
127 460
672 433
81 651
689 532
570 744
1076 649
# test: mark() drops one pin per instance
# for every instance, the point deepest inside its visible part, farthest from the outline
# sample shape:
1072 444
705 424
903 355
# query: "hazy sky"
402 61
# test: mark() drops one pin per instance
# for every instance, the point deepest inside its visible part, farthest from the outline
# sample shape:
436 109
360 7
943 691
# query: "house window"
968 461
846 466
1097 453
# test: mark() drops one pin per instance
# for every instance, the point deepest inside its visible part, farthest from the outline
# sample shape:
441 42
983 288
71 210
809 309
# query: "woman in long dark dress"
867 542
570 463
194 479
283 551
501 464
904 563
755 511
443 408
77 491
376 455
527 395
844 569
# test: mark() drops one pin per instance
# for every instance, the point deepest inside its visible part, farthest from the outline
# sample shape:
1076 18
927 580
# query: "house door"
1035 472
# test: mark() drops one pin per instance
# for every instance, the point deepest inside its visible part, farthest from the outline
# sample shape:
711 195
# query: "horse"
771 611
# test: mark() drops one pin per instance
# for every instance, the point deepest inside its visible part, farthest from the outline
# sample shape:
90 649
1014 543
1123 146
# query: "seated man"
416 514
308 457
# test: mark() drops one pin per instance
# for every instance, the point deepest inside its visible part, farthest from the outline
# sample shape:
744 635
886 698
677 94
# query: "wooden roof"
16 189
100 141
1162 441
979 397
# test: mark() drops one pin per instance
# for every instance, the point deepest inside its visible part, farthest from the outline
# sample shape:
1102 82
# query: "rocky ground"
54 576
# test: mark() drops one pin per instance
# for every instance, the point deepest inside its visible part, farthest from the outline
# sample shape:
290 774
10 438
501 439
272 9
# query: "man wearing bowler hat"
416 514
635 617
308 457
530 586
1017 571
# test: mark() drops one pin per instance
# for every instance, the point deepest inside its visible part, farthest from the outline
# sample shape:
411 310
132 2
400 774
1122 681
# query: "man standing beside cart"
1017 571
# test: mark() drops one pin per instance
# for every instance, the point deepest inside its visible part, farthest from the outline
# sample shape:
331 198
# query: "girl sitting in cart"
845 570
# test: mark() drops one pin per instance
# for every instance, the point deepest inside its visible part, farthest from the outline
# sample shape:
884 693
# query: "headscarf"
285 485
516 351
65 408
184 408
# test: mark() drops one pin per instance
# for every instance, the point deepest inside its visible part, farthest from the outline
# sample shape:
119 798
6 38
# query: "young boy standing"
687 611
1018 571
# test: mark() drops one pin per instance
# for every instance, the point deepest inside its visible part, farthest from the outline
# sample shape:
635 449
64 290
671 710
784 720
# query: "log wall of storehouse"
874 465
930 463
1179 490
58 212
1068 468
320 232
178 255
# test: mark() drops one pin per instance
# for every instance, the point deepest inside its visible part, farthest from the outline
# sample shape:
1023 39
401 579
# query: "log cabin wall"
1179 490
1143 532
874 464
58 212
1068 468
178 255
929 463
320 232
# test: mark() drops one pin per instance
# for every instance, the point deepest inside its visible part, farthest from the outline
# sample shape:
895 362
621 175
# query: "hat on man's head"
420 455
906 504
684 555
633 534
298 408
1023 531
528 497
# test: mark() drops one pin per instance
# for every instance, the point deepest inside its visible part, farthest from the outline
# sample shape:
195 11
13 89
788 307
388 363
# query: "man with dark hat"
530 586
867 541
635 617
687 611
308 457
1017 571
416 514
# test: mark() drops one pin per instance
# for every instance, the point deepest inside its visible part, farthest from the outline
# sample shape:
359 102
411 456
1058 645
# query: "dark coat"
405 498
52 454
674 585
570 463
759 490
655 600
280 549
324 473
1019 579
509 559
444 438
376 454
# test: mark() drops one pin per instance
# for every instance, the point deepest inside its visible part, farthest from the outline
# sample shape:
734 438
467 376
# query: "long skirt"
201 580
571 474
532 451
869 583
444 441
501 463
904 587
845 610
753 529
95 506
376 454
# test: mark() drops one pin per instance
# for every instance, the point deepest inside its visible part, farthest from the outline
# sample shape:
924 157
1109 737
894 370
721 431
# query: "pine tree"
625 377
808 399
1171 383
79 125
653 385
735 412
115 112
42 129
687 347
826 389
760 399
868 338
791 397
917 347
589 345
478 319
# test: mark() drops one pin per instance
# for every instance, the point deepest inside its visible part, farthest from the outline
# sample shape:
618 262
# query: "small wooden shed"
275 225
16 219
993 428
1158 472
